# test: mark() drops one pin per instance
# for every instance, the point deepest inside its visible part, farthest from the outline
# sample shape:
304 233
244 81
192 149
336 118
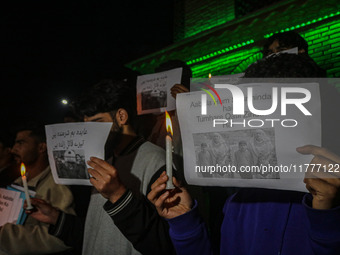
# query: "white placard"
153 91
9 205
248 140
19 216
71 145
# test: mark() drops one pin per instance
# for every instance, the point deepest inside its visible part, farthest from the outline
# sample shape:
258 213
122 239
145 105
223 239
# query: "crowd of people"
128 209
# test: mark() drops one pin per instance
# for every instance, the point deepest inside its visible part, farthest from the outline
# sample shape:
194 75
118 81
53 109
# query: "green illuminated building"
223 37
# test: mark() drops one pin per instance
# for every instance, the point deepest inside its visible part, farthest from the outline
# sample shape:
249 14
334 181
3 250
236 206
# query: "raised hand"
43 211
105 179
323 182
178 88
169 203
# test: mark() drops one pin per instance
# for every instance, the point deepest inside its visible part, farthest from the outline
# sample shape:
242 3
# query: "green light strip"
239 45
219 52
303 24
223 62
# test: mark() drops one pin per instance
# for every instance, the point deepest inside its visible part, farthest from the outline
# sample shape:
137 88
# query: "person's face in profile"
115 132
275 48
103 117
26 149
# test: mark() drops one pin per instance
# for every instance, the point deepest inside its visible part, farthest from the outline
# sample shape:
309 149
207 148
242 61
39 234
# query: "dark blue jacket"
263 221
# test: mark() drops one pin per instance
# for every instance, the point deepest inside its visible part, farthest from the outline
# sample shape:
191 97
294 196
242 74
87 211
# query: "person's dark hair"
172 64
285 66
288 39
37 129
6 138
106 96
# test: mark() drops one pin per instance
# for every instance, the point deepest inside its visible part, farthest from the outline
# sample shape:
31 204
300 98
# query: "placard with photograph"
153 91
71 145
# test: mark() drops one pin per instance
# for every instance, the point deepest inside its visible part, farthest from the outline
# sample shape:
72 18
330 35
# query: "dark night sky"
51 49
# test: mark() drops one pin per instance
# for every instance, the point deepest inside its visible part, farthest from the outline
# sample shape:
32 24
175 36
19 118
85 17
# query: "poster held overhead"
153 91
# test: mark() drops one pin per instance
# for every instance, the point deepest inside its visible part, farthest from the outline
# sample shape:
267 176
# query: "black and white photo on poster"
215 120
240 148
153 91
70 164
152 99
70 146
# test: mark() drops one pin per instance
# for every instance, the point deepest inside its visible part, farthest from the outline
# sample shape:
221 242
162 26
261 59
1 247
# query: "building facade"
224 37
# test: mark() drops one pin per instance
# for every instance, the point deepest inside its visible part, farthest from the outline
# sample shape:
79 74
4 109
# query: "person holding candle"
131 166
256 221
159 131
265 221
32 237
259 221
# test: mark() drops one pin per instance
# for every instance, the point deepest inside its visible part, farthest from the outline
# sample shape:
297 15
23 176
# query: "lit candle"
24 181
168 149
209 76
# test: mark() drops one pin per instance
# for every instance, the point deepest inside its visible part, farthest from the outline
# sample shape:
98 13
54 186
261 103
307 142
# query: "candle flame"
168 123
209 75
23 169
